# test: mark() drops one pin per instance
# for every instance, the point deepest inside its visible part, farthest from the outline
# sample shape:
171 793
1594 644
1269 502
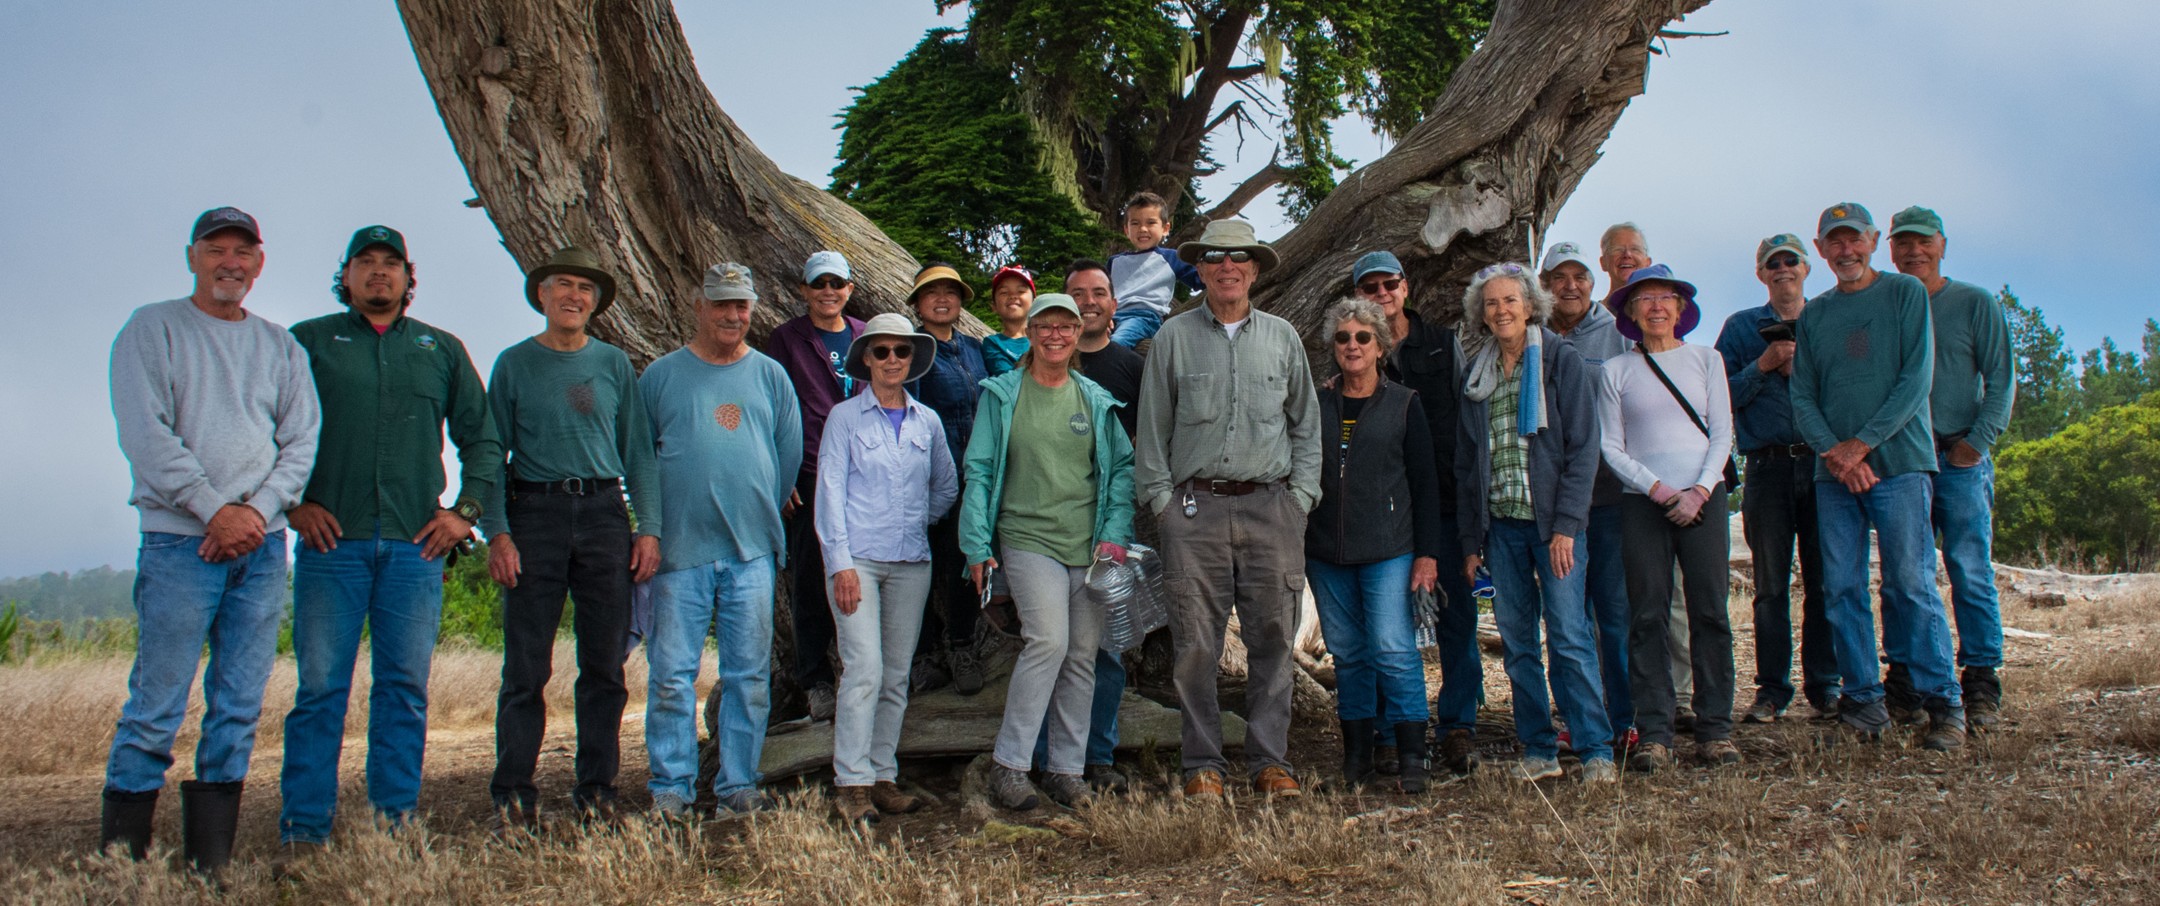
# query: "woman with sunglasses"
1049 489
1371 541
1665 413
884 474
1525 458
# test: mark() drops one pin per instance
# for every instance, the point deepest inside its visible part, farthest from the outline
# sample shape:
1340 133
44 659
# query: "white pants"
877 648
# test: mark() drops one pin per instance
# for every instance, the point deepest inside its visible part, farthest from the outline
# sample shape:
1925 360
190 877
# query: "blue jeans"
183 602
1462 668
1605 584
733 601
1965 518
1525 592
385 585
1135 323
1365 617
1916 633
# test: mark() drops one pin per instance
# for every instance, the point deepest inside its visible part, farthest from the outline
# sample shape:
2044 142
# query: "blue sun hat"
1690 315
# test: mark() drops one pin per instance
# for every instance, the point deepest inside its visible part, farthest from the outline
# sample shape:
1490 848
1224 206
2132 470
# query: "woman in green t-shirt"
1049 485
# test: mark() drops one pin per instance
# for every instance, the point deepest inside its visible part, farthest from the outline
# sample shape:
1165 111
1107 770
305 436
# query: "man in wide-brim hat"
575 262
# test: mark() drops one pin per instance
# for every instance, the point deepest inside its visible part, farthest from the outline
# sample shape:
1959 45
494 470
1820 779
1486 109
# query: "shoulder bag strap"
1675 391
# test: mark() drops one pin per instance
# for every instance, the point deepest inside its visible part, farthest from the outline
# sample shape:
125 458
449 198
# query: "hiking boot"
1983 696
126 821
1010 789
1532 770
1105 778
1946 727
888 798
928 675
1826 711
209 818
1275 782
1357 757
1068 790
1458 751
967 672
1204 786
1718 752
1650 758
1598 771
1900 699
599 810
1763 711
853 806
515 818
1410 749
1683 718
822 701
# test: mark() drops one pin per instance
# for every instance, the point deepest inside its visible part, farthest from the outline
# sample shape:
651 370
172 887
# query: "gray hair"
1364 312
1541 302
1604 243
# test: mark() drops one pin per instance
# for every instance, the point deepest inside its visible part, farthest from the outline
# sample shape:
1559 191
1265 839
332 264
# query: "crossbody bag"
1732 472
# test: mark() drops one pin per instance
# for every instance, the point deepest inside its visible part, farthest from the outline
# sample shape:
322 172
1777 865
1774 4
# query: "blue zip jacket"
984 487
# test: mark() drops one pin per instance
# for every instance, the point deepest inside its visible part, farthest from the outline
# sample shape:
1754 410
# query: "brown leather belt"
1224 488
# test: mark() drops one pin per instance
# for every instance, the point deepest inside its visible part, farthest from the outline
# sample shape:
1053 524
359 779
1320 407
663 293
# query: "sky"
2035 141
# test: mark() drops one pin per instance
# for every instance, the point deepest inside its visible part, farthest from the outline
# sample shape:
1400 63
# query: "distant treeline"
92 594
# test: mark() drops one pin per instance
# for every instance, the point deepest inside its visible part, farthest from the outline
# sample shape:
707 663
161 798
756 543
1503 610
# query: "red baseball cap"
1013 270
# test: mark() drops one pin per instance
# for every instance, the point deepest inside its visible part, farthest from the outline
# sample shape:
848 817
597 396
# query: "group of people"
905 474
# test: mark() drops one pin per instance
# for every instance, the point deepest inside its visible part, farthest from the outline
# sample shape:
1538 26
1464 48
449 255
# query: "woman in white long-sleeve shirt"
1666 421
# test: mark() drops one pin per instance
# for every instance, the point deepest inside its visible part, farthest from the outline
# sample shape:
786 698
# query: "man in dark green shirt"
1862 370
373 531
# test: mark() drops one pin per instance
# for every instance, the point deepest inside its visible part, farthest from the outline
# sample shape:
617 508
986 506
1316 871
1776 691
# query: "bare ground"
2060 804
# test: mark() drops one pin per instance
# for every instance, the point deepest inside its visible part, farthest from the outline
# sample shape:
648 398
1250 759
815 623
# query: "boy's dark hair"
1144 199
1090 264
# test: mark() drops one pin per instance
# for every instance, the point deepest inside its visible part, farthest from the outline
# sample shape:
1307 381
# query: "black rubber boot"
1901 698
1983 696
209 818
1357 754
126 820
1410 755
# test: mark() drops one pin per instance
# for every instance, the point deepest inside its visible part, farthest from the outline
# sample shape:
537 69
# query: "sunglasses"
1781 262
828 282
903 353
1236 257
1376 287
1343 337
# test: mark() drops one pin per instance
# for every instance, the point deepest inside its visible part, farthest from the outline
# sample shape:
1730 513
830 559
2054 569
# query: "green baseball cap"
1844 214
369 236
1782 242
1916 219
1053 302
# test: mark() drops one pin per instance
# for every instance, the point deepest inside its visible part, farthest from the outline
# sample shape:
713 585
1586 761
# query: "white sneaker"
1531 770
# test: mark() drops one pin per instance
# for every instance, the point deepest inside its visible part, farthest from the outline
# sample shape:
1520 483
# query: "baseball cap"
728 280
1916 219
827 262
1053 301
1782 242
1844 214
1013 270
225 218
378 234
1375 263
1563 252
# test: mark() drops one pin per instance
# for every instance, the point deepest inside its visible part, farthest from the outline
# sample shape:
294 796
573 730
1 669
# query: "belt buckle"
574 486
1216 485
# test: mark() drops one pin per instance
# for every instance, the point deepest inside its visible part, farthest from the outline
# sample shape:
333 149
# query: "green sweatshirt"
569 415
385 400
1975 368
1865 365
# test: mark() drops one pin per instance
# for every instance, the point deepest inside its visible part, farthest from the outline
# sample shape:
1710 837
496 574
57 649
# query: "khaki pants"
1245 553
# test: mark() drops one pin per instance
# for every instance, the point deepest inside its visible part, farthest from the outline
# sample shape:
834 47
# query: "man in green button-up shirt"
374 532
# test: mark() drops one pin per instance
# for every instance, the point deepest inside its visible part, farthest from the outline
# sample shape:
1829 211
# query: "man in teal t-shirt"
1861 375
1975 382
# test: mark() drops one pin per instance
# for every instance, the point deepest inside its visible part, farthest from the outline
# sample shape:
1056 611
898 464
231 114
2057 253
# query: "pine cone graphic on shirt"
729 416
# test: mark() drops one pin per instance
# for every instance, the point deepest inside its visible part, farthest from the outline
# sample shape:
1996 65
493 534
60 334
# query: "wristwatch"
468 510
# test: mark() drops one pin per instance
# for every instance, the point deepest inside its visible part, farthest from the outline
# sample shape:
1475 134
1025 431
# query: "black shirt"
1117 368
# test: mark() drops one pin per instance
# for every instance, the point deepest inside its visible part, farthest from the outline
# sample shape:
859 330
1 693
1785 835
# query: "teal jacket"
984 488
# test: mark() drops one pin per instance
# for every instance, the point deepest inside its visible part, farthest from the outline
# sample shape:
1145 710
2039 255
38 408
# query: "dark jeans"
1606 589
579 545
954 605
1778 510
1651 543
1462 672
810 617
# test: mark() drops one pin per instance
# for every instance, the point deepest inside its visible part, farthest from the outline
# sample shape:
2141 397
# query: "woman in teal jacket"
1049 488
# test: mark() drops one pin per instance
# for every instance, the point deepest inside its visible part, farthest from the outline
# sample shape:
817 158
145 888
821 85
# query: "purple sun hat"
1690 315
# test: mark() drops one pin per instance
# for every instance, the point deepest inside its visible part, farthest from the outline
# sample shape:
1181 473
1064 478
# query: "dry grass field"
2060 804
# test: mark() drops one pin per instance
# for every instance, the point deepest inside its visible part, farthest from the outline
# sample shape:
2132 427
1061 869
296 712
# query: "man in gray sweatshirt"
217 416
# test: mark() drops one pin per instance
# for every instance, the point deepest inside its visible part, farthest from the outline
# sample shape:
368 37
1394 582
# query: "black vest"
1364 510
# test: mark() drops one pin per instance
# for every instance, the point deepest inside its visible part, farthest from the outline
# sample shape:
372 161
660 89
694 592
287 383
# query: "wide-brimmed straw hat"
1228 236
1690 313
576 262
891 324
933 274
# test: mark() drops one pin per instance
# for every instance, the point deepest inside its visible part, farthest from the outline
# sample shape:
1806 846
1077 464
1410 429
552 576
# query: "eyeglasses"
1343 337
1509 269
1239 256
1056 330
828 282
1376 287
1654 297
903 353
1781 262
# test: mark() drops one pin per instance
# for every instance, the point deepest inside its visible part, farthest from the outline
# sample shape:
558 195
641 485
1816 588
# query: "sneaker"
1010 789
1204 786
967 673
745 801
888 798
1531 770
821 701
1764 711
1275 782
1650 758
1458 751
1600 771
1629 739
851 804
928 675
1104 778
667 807
1864 722
1826 711
1068 790
512 819
1566 742
1719 752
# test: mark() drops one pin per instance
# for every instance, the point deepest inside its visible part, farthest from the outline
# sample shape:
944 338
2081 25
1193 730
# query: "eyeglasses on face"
828 282
1382 285
1058 330
1654 297
1239 256
1781 261
902 352
1343 337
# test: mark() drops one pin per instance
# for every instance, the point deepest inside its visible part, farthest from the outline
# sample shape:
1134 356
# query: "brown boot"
888 798
852 804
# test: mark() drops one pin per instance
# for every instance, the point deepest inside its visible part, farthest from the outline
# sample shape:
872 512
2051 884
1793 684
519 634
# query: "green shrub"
2087 497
